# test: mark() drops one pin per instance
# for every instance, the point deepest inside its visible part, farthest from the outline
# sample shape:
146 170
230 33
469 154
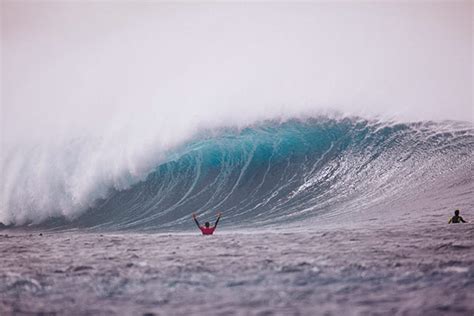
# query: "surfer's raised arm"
218 218
195 220
207 229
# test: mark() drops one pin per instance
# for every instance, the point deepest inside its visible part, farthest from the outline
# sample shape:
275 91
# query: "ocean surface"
424 268
321 216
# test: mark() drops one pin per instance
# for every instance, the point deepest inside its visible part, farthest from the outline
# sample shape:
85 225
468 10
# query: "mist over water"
95 96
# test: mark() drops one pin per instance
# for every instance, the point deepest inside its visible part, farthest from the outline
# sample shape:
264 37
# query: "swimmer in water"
456 218
206 229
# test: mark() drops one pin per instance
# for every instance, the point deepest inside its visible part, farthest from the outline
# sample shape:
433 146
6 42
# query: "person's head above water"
456 212
207 224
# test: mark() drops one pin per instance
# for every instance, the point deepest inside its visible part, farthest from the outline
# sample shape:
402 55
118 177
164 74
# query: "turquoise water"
297 173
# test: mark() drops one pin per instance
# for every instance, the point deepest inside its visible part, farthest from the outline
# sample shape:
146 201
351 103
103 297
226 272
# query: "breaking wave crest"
293 172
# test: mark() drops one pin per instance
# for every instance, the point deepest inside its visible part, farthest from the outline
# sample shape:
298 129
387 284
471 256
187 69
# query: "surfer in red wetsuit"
206 229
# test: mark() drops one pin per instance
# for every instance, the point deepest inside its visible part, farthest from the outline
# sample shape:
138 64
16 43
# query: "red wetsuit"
207 230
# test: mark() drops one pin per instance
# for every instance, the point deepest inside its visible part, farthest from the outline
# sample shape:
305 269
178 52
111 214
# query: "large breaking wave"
295 172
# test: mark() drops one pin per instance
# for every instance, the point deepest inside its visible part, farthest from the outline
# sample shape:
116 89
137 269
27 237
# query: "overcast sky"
76 65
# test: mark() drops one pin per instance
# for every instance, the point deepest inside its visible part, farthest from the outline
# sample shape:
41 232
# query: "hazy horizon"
69 67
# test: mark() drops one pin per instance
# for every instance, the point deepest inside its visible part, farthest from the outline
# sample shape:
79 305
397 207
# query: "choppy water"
422 268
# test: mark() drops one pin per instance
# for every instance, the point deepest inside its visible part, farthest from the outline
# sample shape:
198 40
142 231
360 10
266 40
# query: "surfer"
206 229
456 218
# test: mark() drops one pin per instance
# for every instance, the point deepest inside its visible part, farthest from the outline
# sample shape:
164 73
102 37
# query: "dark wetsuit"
456 219
207 230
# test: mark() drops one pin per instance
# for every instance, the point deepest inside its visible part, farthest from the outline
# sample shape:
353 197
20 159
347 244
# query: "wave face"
298 172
